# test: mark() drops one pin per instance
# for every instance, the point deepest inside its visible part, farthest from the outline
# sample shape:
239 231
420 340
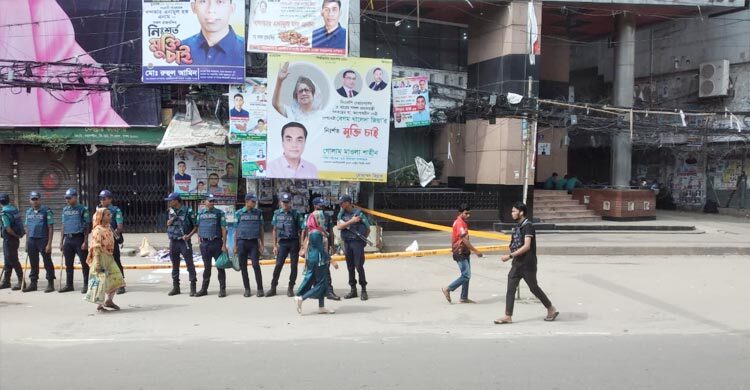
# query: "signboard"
325 122
299 26
198 41
411 102
210 169
107 135
254 159
247 113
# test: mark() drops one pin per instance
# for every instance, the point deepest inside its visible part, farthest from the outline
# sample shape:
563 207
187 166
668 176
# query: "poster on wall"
200 171
411 102
193 41
190 173
299 26
247 115
325 120
254 159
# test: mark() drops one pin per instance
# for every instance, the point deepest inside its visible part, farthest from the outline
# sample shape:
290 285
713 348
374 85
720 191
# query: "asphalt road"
625 323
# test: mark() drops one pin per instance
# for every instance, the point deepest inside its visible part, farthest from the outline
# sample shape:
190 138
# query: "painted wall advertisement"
193 41
210 169
325 121
247 115
299 26
411 102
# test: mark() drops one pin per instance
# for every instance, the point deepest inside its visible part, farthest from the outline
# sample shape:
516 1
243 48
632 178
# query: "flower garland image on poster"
324 120
411 102
247 113
193 41
299 26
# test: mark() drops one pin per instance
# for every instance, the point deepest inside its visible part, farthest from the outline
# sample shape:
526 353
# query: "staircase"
552 206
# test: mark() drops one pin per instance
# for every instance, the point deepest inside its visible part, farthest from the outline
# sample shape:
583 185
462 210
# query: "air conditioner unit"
713 79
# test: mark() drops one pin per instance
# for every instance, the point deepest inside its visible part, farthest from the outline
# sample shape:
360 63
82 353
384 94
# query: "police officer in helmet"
74 239
40 227
181 226
212 230
354 228
287 231
105 200
248 237
12 231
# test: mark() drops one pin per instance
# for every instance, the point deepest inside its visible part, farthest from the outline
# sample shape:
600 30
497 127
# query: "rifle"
360 236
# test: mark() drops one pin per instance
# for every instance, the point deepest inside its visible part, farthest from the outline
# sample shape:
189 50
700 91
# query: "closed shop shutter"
6 170
48 173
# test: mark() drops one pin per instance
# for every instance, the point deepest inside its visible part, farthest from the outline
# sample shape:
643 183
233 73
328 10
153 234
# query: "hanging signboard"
411 102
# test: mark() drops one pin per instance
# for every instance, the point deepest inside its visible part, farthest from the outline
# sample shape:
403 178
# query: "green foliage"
404 178
53 143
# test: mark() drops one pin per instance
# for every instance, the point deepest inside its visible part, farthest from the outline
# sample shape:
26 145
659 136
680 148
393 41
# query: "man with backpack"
12 232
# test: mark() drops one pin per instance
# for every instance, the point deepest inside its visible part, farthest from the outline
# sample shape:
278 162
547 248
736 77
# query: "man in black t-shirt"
523 254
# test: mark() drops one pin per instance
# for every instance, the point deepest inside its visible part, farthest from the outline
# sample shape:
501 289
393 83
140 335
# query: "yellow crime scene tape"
432 226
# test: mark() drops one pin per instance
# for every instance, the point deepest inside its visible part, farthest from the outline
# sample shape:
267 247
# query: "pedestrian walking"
181 226
461 248
315 283
212 230
320 204
355 228
248 242
524 265
40 223
74 239
12 231
287 231
105 200
106 277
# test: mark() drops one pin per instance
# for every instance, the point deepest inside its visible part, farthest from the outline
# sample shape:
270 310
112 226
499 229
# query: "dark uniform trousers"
10 257
250 248
116 255
184 248
72 247
211 249
354 251
287 247
36 246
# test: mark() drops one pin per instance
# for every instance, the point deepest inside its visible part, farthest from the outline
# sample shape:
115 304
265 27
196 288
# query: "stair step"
559 203
558 220
546 217
557 208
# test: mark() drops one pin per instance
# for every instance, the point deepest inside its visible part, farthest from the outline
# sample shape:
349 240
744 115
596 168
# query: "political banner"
299 26
411 102
254 159
210 169
193 41
247 115
327 118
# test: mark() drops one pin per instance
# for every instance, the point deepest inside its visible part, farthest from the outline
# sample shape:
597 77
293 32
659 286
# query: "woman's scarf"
315 221
101 235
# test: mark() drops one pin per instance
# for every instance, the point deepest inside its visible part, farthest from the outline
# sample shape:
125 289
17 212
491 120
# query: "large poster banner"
193 41
299 26
411 102
247 115
211 169
327 120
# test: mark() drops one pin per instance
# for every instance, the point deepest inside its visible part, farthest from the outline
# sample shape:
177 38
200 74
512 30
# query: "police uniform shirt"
117 217
6 221
249 223
38 221
184 216
292 217
361 226
75 216
211 219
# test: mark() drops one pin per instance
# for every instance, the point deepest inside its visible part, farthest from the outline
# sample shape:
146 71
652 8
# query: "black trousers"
35 247
211 249
354 251
251 249
184 248
514 279
71 248
10 257
116 255
287 247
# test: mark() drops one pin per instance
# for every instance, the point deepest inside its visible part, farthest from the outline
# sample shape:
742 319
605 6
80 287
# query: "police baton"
360 236
23 271
62 265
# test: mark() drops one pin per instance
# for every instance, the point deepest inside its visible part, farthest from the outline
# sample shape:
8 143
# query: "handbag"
225 261
96 292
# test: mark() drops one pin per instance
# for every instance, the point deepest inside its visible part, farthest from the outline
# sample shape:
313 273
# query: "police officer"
180 228
105 200
74 239
212 230
287 230
40 227
248 238
351 222
320 204
12 231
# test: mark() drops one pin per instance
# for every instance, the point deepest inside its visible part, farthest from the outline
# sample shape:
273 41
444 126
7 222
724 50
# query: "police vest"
16 224
358 227
181 225
36 222
73 221
248 224
113 210
287 224
209 224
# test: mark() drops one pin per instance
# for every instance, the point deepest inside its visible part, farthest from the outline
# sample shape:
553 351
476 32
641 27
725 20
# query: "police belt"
210 239
71 235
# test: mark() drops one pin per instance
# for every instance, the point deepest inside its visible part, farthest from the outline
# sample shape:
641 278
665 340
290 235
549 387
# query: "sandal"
111 305
501 321
101 309
552 317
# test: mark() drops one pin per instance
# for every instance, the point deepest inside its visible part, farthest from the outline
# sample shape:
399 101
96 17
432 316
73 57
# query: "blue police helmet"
345 198
4 198
173 196
286 197
211 198
318 201
34 195
251 197
105 194
70 193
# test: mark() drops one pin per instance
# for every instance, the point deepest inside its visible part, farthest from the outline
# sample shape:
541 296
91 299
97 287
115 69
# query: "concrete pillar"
623 95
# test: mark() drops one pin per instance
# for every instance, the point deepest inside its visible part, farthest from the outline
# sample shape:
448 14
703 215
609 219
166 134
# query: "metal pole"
527 142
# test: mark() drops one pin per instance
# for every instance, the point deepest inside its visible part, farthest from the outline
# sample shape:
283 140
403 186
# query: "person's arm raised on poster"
280 77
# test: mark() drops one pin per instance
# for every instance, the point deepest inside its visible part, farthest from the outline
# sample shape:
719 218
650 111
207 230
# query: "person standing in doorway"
524 266
355 228
12 232
116 223
287 231
249 242
462 248
74 239
40 226
212 230
181 226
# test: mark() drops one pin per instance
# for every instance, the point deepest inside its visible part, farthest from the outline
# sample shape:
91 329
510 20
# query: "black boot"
121 290
332 296
30 287
85 287
68 286
17 286
50 286
260 293
204 289
352 293
192 288
271 292
222 292
247 293
290 291
364 294
5 284
175 289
